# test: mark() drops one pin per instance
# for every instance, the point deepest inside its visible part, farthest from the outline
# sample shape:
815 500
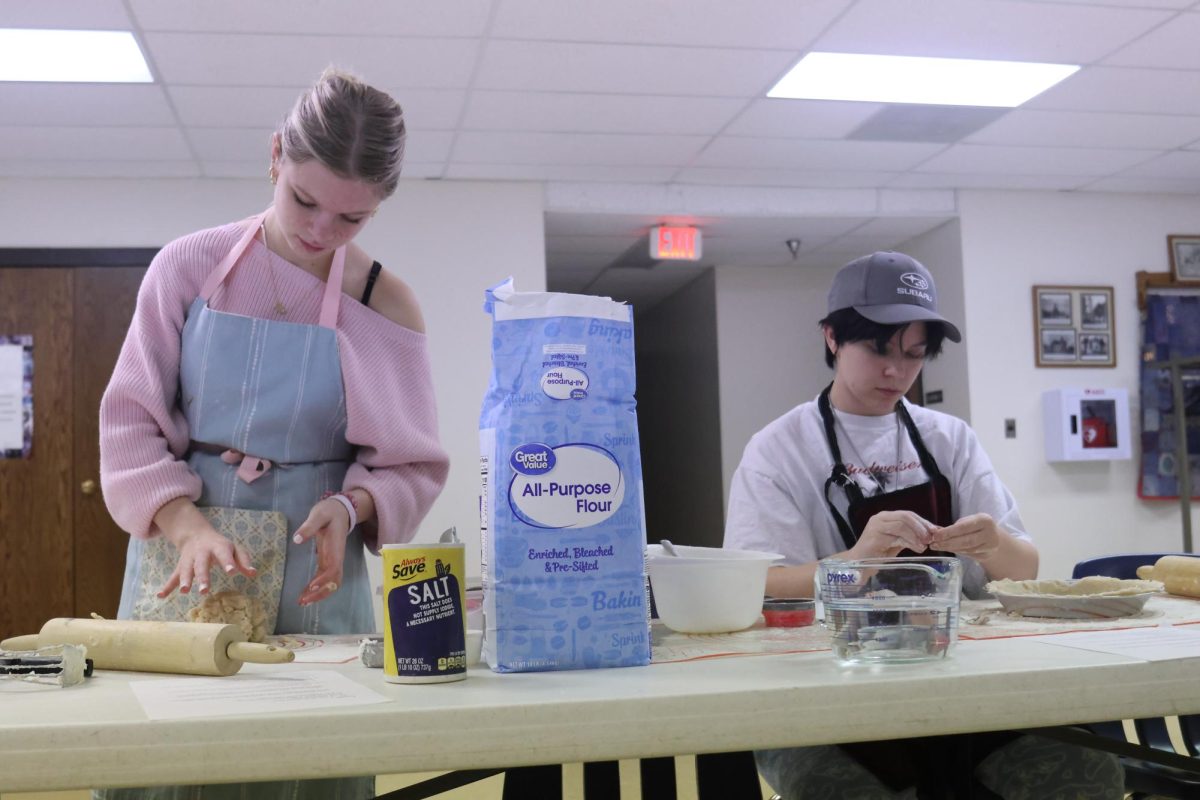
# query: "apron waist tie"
250 468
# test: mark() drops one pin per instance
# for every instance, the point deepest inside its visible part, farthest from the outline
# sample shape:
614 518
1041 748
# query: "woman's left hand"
329 522
977 536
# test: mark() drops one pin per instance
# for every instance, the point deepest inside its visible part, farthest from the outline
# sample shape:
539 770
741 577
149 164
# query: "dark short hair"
850 326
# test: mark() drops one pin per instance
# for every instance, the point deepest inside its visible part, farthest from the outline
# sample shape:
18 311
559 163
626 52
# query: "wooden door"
60 552
36 559
104 301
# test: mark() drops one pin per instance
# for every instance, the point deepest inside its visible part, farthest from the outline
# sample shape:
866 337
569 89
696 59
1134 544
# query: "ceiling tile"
233 144
913 122
67 168
597 113
204 59
1172 46
80 143
737 151
326 17
1145 185
900 227
420 170
1086 129
69 14
782 24
235 106
1176 4
427 146
1023 31
1180 164
633 69
721 176
250 144
259 107
560 172
253 169
615 149
781 228
977 158
1146 91
958 180
802 119
72 104
616 227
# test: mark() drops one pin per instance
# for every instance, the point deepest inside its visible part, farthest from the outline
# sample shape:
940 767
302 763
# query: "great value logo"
532 459
570 486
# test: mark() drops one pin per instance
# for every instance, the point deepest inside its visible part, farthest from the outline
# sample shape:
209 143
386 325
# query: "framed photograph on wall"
1074 326
1185 257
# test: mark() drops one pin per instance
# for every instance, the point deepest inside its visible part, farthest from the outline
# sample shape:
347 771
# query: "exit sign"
669 243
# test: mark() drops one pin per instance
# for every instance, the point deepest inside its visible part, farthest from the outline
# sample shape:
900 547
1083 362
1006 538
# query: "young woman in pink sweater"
272 365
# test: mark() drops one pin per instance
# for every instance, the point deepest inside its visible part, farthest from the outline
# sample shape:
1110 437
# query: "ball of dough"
233 608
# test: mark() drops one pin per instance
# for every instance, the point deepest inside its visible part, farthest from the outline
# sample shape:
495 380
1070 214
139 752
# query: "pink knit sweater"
392 420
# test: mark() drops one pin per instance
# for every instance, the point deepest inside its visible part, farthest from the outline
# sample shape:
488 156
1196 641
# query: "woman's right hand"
200 548
889 532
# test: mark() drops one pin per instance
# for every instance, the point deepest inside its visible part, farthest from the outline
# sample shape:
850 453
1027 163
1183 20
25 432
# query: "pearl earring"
271 174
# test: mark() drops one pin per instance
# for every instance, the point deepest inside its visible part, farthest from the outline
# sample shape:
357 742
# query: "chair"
1144 778
719 776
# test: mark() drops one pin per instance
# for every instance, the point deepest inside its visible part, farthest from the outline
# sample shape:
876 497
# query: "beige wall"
1012 241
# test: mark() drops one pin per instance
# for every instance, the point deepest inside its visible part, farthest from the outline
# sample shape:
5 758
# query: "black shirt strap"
366 297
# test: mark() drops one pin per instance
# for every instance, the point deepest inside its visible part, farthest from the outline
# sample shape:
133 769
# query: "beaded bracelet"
347 500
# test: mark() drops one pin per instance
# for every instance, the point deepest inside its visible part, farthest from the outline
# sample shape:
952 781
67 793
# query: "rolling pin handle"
27 642
259 653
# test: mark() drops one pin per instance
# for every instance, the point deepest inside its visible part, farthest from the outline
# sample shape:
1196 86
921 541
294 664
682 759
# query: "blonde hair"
353 129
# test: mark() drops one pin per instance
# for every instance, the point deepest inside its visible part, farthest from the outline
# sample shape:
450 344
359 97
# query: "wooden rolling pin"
189 648
1179 574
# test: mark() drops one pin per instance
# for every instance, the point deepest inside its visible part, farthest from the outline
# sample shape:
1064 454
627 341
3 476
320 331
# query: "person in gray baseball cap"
891 289
860 472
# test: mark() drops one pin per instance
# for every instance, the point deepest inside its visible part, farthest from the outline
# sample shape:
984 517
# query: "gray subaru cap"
889 288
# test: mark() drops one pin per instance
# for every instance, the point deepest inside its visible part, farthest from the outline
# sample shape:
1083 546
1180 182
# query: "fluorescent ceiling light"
908 79
28 54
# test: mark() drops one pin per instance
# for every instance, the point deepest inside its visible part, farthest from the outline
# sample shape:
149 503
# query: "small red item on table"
788 613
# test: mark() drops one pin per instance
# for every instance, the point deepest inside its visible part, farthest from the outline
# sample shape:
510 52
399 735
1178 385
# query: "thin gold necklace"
280 308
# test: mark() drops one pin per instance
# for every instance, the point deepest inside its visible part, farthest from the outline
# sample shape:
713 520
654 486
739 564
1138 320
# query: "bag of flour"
561 515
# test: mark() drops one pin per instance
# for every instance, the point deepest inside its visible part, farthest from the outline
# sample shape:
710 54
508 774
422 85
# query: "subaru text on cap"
891 289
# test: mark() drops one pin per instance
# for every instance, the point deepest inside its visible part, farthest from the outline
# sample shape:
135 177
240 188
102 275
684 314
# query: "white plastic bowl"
708 589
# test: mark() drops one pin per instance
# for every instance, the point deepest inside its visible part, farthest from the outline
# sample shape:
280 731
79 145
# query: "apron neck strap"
333 289
838 476
331 298
218 275
826 409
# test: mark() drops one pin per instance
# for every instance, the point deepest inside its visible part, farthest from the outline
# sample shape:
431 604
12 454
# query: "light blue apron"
272 391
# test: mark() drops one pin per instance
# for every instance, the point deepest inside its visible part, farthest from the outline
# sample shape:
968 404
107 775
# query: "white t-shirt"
777 497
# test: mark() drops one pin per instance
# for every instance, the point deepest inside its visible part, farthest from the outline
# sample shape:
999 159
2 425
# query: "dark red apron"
939 766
